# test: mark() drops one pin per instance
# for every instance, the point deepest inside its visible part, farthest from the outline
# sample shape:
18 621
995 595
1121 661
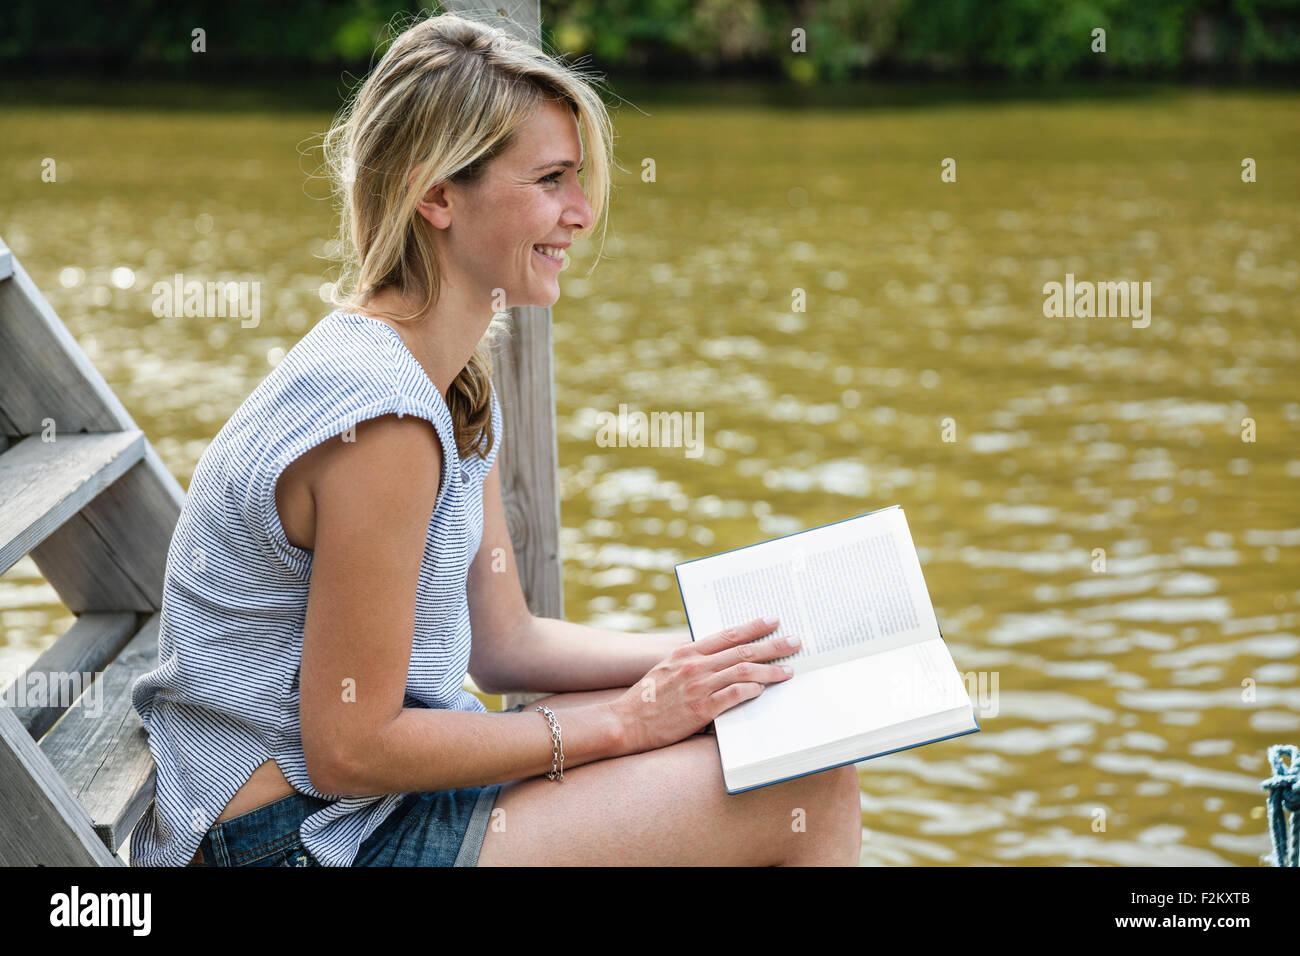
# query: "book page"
863 696
847 589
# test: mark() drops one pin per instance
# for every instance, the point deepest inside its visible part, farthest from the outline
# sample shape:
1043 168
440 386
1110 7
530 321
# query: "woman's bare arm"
515 651
557 656
448 749
374 501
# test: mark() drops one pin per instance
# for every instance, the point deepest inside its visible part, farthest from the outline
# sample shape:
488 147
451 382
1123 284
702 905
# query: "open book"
873 674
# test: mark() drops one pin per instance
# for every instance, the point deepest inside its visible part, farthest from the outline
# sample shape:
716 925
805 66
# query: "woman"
343 535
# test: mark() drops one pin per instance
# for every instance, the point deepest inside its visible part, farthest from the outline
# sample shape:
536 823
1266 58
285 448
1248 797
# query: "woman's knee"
844 810
827 821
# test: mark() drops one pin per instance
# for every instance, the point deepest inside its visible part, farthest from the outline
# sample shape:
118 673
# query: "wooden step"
43 484
86 648
100 747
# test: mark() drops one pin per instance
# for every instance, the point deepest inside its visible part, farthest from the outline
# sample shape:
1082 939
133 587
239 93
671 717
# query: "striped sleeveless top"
224 696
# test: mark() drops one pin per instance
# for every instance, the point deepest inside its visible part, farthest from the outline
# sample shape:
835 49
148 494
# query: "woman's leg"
669 807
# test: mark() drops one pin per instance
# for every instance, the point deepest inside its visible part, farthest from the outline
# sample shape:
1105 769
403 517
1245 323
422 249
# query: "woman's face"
526 198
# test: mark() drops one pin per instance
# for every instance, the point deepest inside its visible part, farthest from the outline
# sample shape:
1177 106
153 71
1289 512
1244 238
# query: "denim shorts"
431 828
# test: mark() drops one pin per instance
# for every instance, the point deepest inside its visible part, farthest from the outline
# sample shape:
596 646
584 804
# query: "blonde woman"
343 535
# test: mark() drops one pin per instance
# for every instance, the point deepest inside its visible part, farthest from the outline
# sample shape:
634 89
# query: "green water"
1144 695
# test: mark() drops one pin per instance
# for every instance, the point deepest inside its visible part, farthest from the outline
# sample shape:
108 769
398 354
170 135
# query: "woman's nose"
579 212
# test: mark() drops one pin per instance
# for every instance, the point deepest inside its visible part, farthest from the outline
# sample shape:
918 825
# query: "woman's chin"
540 299
546 301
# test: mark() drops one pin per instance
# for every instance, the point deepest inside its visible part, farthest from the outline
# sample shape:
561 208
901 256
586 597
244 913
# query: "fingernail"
794 641
788 669
771 621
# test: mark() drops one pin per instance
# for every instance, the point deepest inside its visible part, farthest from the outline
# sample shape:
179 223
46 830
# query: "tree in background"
844 38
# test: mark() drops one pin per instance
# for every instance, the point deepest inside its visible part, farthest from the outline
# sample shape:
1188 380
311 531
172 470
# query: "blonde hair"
446 98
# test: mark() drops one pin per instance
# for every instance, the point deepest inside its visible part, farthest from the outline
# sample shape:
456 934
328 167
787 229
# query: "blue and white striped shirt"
224 697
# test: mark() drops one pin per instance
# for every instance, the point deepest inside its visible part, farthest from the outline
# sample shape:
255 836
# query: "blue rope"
1284 795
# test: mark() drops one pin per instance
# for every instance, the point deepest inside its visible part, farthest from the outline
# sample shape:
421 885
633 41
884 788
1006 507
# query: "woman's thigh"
664 807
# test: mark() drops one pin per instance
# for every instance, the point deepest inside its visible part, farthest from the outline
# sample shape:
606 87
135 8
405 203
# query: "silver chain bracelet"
557 761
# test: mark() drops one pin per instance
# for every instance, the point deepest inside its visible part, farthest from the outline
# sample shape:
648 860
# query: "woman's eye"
553 177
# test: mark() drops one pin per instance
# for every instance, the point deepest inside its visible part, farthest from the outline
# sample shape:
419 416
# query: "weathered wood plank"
6 261
529 457
82 569
104 756
43 484
113 554
86 648
9 432
519 18
530 490
43 824
44 373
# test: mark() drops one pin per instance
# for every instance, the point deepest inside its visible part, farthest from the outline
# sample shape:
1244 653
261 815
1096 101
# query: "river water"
1105 507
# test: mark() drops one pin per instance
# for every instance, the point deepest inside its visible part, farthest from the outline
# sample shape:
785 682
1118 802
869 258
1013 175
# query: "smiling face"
488 233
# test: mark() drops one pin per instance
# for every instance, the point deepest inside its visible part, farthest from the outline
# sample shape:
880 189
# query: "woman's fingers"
736 635
747 672
759 651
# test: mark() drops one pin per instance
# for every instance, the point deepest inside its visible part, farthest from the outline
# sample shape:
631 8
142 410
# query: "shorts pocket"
297 856
287 854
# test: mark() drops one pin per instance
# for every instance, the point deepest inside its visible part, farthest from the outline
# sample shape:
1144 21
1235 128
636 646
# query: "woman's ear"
436 206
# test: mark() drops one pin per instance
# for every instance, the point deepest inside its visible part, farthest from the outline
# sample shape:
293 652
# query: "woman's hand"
685 691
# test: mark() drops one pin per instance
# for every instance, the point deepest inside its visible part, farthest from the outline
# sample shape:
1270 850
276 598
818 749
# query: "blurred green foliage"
843 38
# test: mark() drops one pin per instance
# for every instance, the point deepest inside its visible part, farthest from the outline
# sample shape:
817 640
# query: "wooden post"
526 387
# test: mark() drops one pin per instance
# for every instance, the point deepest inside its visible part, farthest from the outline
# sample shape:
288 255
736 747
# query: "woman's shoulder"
343 366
